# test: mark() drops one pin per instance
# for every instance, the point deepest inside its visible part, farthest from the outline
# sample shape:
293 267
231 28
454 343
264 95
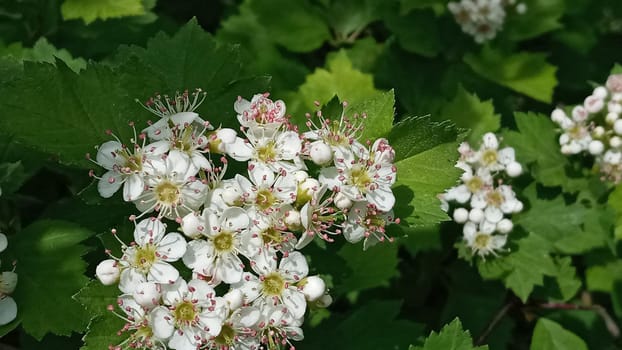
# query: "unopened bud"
313 287
108 272
320 153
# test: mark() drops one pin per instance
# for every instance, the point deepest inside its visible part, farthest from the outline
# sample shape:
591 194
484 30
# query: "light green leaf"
297 25
467 111
615 202
51 271
542 16
566 278
89 10
378 110
420 179
451 337
550 335
601 277
525 72
371 268
43 51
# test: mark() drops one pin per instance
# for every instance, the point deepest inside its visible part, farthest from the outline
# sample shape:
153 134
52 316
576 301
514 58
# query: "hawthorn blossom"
260 113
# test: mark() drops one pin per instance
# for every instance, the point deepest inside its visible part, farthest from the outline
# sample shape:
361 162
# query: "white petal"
506 155
130 278
234 219
490 141
248 316
295 302
157 148
162 322
250 286
174 293
493 214
229 268
110 183
383 198
329 177
133 187
199 255
162 272
183 119
107 155
289 145
241 105
239 150
3 242
172 247
353 232
260 174
150 230
294 266
8 310
200 290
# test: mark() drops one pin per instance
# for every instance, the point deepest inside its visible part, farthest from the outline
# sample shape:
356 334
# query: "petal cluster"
483 19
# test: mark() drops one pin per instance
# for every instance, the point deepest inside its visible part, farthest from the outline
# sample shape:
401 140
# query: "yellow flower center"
271 236
489 156
273 284
474 184
359 177
481 241
226 336
133 162
495 198
167 192
185 313
265 199
145 257
223 242
267 152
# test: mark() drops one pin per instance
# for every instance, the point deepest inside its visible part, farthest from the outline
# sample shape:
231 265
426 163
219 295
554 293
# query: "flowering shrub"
310 174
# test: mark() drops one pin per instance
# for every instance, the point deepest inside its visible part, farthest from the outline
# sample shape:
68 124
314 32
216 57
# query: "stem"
495 321
610 323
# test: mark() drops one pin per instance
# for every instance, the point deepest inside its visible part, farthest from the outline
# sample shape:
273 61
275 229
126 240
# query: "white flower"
172 190
138 322
496 202
366 222
266 191
260 113
492 158
8 310
576 137
4 242
108 272
148 259
481 19
277 286
191 314
278 327
238 331
278 150
217 256
482 241
472 183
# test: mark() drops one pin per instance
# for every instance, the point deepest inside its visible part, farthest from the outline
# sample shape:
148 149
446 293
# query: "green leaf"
567 281
104 325
615 202
550 335
542 16
524 72
536 142
467 111
371 268
601 277
51 271
451 337
89 11
351 16
379 316
420 179
416 32
414 135
297 25
43 51
378 110
12 176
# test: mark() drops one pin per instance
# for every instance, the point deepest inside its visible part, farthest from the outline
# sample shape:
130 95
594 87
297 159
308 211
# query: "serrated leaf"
89 11
379 112
550 335
542 16
536 142
615 202
524 72
467 111
370 268
420 179
51 271
414 135
566 278
43 51
302 29
601 277
451 337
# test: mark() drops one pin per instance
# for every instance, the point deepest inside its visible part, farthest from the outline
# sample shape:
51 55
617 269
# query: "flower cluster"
596 127
8 282
482 200
483 19
242 233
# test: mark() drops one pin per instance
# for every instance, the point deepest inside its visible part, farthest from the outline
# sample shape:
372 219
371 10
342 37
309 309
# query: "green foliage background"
71 69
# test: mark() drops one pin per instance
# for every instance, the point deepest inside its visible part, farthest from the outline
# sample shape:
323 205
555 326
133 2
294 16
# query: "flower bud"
147 294
505 226
617 126
461 215
598 132
4 242
615 142
596 147
614 107
514 169
320 153
611 117
8 310
108 272
292 219
342 201
521 8
593 104
313 287
235 298
614 83
300 176
324 301
600 92
558 115
8 282
518 207
579 113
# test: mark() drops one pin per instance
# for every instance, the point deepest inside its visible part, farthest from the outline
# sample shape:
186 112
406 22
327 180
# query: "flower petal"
110 183
172 247
162 272
162 322
294 266
8 310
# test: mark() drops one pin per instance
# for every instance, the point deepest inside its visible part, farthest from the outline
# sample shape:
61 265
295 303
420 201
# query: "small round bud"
600 92
226 135
579 113
313 288
514 169
292 219
617 97
615 142
598 132
324 301
611 118
461 215
614 83
231 195
476 215
521 8
612 157
617 126
614 107
300 176
593 104
518 207
310 185
108 272
147 294
235 299
342 201
4 242
596 147
320 153
8 282
505 226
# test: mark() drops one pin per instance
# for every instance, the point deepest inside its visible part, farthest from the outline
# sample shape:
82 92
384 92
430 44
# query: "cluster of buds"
596 127
483 19
482 201
241 234
8 282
